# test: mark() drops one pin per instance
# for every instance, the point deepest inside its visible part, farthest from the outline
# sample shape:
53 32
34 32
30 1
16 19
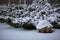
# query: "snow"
35 17
43 23
52 19
15 20
9 33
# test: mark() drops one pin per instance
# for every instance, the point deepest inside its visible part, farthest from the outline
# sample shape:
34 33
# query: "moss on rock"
45 30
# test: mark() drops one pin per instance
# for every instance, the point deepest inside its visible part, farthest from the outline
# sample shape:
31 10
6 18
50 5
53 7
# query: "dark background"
52 2
14 2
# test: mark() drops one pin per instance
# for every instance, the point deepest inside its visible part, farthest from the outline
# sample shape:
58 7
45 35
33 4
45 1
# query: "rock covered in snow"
43 23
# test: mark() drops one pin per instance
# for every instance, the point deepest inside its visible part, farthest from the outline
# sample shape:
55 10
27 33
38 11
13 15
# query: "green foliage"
0 13
9 21
30 9
57 26
54 24
28 26
16 25
2 20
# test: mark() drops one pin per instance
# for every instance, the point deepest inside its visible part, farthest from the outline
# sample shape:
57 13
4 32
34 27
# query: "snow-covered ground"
36 12
9 33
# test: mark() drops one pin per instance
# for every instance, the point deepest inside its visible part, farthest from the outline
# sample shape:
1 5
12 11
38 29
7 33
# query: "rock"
45 30
44 26
43 23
